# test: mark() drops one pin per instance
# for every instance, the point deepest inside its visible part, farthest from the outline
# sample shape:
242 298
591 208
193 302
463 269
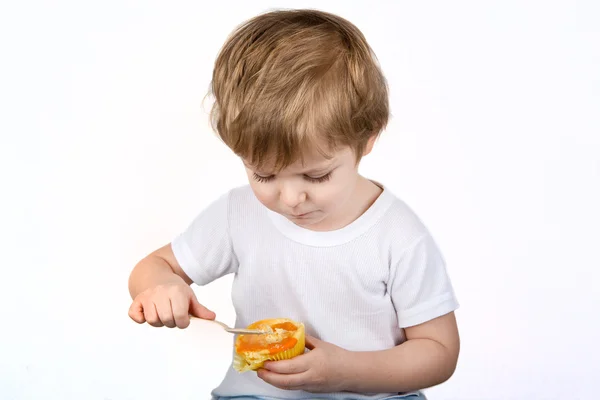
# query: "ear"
370 144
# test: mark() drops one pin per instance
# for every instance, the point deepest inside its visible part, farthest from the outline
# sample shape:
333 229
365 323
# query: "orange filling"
258 342
286 326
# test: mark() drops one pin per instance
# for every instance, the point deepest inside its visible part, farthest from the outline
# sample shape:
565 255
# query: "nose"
292 195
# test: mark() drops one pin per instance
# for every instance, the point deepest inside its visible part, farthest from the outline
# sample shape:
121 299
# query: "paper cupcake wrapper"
242 364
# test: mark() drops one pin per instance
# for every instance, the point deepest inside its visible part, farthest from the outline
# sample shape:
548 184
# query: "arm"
157 268
427 358
161 293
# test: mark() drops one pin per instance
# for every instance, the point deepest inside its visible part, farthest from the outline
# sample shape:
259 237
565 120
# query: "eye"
319 179
262 179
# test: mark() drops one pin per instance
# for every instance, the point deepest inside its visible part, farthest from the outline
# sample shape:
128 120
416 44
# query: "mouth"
300 216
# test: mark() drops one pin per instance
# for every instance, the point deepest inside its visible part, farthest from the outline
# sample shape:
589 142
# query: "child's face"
316 194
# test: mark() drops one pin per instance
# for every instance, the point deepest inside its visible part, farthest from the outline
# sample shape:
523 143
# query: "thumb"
312 342
198 310
136 312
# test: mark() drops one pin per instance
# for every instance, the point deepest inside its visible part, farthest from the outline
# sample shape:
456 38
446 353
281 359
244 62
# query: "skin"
319 194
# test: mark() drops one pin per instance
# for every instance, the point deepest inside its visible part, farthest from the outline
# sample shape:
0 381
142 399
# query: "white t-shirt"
356 287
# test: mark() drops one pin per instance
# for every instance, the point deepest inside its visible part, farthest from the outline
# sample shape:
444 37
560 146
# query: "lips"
301 215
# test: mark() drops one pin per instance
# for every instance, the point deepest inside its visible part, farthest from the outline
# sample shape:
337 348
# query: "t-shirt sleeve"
204 250
419 284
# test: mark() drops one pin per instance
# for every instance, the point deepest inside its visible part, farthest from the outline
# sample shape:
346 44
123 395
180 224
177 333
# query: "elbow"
445 371
448 373
450 363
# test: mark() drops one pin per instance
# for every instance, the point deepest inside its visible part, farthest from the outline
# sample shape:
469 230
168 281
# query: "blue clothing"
410 396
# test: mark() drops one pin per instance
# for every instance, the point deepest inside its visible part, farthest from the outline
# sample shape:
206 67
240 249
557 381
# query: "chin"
309 223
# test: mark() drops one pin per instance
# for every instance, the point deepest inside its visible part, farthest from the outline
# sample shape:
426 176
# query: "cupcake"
284 340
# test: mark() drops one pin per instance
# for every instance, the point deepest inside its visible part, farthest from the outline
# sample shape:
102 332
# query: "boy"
300 99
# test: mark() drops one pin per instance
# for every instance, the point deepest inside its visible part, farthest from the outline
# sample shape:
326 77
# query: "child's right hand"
168 304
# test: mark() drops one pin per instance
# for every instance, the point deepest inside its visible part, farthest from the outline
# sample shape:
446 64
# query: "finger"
295 365
136 312
283 381
165 313
311 342
151 315
199 310
180 307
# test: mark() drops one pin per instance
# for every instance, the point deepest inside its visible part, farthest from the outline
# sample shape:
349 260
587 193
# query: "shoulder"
402 235
242 195
243 208
401 223
239 196
241 199
231 204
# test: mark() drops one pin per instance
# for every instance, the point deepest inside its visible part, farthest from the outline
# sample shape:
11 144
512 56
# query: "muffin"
285 339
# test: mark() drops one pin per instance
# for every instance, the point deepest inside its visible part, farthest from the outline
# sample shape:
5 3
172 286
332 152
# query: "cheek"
339 190
331 195
264 193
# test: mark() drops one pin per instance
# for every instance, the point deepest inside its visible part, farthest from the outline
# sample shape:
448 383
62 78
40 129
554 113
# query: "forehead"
309 161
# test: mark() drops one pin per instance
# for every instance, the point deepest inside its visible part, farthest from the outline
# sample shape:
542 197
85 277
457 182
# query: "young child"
300 99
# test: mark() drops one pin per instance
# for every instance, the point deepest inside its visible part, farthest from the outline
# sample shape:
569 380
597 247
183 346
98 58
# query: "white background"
106 153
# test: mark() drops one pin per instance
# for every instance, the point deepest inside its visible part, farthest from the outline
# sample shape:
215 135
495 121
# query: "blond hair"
290 81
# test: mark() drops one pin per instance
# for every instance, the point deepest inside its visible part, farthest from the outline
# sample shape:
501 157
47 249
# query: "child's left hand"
319 370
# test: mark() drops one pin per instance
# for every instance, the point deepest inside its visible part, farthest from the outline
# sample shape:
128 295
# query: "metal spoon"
232 330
